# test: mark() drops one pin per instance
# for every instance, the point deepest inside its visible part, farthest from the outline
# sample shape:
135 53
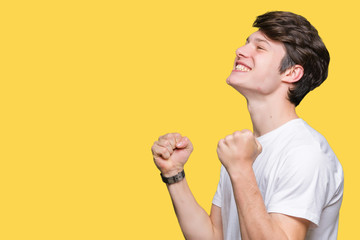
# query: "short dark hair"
303 47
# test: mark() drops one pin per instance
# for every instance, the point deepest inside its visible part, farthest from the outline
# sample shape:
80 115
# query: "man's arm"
237 153
195 223
252 212
170 153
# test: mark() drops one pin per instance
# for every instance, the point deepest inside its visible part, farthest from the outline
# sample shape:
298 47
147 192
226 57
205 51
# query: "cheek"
268 81
270 69
270 84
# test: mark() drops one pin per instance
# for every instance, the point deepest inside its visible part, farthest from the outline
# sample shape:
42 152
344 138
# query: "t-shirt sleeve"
218 195
302 184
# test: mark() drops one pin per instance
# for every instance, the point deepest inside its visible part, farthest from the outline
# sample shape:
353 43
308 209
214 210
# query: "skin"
265 90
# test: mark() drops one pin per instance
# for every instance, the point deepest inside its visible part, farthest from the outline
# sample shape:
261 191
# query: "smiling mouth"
242 68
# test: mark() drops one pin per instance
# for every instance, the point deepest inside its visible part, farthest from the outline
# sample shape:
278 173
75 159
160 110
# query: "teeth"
242 68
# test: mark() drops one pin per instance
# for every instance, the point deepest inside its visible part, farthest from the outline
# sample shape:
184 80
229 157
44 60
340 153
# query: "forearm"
194 221
255 222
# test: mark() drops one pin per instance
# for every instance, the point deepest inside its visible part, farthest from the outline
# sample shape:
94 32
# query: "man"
281 181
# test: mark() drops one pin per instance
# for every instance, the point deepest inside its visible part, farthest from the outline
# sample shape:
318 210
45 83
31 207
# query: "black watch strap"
174 179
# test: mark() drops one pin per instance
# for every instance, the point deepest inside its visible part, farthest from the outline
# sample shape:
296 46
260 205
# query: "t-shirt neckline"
275 131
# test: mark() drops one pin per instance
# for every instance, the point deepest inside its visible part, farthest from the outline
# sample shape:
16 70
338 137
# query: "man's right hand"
171 152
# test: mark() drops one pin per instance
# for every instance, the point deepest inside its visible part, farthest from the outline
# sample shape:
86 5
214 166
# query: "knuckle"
167 136
163 151
170 139
153 149
170 135
237 134
228 138
247 133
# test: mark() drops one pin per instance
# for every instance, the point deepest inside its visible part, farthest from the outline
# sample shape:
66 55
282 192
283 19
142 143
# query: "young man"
281 181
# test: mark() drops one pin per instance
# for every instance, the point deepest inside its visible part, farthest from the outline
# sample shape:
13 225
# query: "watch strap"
174 179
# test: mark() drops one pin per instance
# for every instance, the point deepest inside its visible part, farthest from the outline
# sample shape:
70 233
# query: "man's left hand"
238 151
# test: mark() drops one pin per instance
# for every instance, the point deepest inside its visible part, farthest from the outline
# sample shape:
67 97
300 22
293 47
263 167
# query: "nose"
242 52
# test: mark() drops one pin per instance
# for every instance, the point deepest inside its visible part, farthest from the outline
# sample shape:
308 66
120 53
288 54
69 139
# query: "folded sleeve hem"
299 213
216 201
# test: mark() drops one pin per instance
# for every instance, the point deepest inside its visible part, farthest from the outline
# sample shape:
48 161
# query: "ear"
292 74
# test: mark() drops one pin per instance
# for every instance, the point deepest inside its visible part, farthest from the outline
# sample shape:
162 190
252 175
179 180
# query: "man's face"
256 66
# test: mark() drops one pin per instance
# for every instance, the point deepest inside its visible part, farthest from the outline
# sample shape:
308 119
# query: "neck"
269 115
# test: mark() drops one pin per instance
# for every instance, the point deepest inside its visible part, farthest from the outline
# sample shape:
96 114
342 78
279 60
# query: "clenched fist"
238 151
171 152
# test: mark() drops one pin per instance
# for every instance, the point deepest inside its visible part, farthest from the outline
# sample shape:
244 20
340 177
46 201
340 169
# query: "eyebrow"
258 40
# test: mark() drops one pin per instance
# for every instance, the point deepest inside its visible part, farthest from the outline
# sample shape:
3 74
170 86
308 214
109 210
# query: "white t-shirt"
298 175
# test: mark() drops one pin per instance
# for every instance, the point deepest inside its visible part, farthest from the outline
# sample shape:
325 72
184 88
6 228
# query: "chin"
228 80
233 80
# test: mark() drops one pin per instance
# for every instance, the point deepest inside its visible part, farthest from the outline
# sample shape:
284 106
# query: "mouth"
241 67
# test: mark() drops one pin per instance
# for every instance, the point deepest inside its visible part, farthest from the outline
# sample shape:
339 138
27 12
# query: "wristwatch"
174 179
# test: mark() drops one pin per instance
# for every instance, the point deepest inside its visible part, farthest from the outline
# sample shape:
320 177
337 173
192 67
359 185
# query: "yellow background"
88 86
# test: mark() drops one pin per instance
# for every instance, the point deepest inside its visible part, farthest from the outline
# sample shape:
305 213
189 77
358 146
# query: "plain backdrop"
88 86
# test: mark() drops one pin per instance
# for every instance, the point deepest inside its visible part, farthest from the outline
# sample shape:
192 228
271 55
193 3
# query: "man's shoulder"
310 149
299 143
300 136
